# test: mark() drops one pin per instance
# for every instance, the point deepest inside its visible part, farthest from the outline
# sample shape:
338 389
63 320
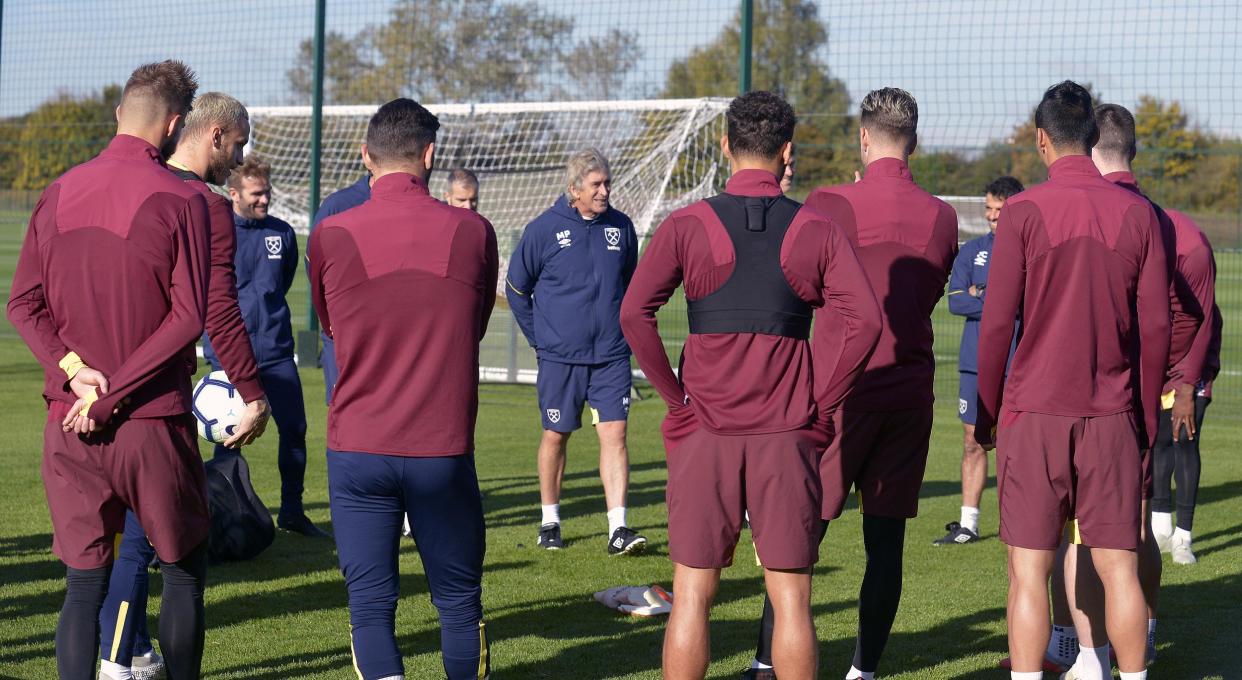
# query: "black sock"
883 538
77 632
182 618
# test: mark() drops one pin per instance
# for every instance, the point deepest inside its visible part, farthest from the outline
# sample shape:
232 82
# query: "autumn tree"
451 51
789 41
63 132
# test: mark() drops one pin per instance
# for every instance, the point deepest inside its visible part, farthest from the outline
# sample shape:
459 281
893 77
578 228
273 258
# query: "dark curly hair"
759 124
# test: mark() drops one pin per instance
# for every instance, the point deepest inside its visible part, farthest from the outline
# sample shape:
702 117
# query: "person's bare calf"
795 652
687 637
1027 607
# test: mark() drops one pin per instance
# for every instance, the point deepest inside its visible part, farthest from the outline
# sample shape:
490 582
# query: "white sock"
551 514
1141 675
1162 523
756 663
1093 663
1180 534
856 674
1151 632
394 677
115 670
1033 675
970 518
616 519
1063 645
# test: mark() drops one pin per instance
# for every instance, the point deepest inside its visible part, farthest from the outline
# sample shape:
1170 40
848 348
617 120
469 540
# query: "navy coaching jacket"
566 280
971 269
266 262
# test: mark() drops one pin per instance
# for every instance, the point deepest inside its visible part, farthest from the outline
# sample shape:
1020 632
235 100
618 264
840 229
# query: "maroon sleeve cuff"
250 390
101 410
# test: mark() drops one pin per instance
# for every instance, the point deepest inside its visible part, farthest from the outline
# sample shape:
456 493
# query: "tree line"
536 58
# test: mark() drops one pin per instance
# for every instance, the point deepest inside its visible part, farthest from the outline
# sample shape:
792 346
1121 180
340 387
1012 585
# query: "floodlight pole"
743 62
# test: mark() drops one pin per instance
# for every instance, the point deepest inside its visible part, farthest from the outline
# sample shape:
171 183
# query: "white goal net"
664 154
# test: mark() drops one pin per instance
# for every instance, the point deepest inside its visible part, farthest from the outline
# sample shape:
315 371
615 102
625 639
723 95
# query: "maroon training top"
1075 255
224 321
751 383
1192 293
906 240
404 285
114 267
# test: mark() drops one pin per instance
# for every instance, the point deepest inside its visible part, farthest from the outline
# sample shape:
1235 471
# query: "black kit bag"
241 526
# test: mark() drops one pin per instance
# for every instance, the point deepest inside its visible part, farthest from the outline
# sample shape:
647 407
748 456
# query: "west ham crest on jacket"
274 246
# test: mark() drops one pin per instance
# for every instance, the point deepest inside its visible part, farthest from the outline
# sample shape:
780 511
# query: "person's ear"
217 138
429 156
174 122
724 146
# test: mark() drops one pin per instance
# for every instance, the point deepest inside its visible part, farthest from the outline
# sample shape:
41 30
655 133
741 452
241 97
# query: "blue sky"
976 66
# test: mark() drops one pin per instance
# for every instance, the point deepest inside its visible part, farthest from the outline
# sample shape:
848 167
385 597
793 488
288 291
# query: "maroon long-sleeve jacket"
1192 294
114 267
753 383
1083 261
404 285
224 322
906 240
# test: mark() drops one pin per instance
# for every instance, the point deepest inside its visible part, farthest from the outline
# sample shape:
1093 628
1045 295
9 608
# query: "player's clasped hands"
86 385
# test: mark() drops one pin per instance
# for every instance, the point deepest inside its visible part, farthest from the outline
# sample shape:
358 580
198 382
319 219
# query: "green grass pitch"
284 614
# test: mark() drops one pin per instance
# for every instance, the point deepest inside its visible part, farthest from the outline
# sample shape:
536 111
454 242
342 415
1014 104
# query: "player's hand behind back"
87 381
1184 412
87 384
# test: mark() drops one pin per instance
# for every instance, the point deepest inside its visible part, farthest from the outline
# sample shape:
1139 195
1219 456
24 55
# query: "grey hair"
582 164
893 112
211 109
463 177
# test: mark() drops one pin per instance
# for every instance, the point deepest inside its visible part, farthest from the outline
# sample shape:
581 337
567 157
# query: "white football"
217 407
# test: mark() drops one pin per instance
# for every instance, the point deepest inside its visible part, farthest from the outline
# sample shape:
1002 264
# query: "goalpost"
664 154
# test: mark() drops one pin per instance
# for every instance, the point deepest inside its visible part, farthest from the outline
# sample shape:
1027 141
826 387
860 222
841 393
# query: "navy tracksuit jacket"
266 262
565 284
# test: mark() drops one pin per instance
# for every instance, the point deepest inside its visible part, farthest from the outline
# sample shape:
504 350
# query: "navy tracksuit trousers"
370 494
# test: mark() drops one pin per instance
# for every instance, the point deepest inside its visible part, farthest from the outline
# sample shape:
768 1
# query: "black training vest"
756 298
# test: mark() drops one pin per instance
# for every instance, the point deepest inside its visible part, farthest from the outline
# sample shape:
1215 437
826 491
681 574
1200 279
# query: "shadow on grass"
293 665
1225 491
37 646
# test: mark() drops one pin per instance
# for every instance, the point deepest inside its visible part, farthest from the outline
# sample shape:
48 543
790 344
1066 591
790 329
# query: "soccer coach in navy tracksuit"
967 285
266 262
565 284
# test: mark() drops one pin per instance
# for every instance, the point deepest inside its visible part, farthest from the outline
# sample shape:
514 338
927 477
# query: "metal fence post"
743 62
308 341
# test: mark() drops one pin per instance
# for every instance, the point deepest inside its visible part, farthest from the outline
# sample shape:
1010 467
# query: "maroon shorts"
882 454
1149 480
714 479
150 465
1053 468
